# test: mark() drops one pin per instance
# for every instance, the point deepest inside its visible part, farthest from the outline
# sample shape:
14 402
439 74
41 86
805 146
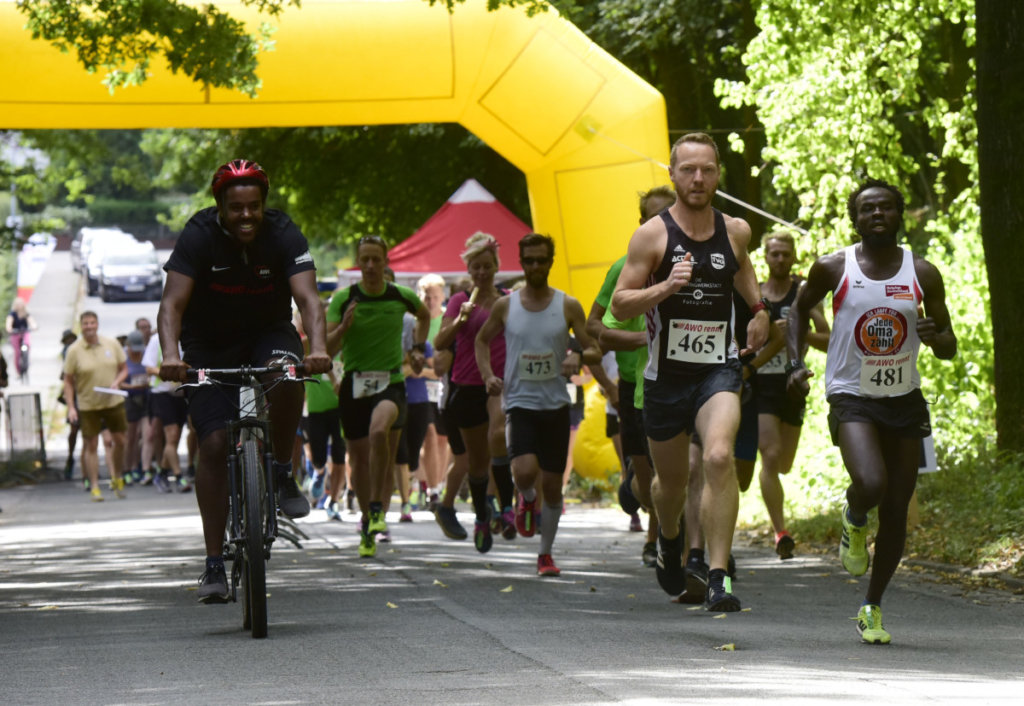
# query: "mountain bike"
252 520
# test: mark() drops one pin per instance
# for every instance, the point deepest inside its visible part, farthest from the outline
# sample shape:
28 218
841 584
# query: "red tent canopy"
435 247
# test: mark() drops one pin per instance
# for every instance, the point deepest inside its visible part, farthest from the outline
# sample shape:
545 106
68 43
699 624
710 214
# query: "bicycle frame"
250 432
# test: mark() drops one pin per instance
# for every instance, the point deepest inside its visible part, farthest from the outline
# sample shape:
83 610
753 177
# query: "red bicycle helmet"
237 170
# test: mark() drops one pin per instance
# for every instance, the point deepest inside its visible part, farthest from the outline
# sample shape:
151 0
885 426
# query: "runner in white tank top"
877 413
536 322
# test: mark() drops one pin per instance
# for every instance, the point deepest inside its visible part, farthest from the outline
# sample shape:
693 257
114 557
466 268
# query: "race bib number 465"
692 341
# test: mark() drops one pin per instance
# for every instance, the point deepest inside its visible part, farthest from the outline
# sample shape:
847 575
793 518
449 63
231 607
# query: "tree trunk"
1000 26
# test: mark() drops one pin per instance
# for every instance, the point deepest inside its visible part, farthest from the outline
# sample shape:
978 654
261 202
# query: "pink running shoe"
546 566
526 517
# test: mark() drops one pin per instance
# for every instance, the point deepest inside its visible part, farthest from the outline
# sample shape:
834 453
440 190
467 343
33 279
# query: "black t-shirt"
239 290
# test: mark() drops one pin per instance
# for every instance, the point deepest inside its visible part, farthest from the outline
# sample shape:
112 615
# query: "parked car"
114 241
131 273
82 243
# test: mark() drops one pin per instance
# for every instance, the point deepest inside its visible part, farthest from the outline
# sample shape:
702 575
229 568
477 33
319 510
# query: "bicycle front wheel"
254 519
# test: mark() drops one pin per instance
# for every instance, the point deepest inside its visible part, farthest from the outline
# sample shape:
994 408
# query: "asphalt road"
97 605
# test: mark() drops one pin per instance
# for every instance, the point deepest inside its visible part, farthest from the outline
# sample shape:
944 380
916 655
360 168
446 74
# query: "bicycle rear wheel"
254 519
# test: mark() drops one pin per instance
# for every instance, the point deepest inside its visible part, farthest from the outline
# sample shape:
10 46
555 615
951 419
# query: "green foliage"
123 37
339 183
120 211
885 89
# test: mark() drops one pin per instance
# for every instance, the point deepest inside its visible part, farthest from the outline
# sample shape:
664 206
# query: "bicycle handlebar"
201 376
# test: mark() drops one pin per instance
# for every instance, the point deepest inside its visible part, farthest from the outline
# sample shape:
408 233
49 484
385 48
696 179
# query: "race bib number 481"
886 376
692 341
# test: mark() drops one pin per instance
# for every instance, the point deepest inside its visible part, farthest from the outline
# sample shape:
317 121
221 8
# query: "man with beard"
781 415
231 279
536 321
681 270
877 413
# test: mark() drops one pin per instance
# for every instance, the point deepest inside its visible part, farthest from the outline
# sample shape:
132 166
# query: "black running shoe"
289 500
449 524
669 568
720 598
696 582
213 586
649 555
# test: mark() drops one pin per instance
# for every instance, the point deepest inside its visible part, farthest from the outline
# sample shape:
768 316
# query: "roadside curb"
1012 582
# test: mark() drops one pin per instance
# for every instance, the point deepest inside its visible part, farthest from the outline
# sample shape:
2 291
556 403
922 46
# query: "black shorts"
904 416
773 399
355 413
413 433
136 406
211 406
544 433
170 409
745 448
611 424
631 423
671 405
447 426
467 405
321 428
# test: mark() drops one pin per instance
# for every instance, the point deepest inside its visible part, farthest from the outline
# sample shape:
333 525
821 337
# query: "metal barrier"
26 440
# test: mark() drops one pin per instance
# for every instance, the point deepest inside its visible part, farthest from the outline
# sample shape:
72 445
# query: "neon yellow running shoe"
853 546
377 522
97 494
117 485
367 545
869 625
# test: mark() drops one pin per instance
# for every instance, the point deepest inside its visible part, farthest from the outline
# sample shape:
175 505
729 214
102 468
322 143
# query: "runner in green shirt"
364 321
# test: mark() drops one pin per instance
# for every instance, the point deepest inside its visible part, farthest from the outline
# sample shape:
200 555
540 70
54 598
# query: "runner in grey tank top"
536 322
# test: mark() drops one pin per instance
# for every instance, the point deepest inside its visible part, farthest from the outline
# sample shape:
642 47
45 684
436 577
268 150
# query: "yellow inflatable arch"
578 124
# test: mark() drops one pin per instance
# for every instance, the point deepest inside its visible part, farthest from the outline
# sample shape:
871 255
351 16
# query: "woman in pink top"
479 416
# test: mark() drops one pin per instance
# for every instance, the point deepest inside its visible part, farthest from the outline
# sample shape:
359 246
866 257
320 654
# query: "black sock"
502 472
213 562
478 490
282 471
376 507
716 578
695 555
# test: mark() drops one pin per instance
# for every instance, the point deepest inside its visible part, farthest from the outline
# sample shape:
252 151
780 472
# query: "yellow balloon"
594 456
588 133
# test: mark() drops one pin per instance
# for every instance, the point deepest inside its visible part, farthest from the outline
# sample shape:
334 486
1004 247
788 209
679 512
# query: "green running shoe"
853 546
869 625
367 544
377 522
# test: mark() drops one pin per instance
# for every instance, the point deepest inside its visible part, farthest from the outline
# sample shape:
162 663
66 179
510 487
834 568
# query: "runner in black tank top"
681 271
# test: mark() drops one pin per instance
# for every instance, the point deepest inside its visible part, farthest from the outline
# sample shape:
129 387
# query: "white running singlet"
873 349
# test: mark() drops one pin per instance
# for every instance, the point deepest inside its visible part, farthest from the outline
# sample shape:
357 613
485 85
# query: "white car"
113 241
83 241
131 273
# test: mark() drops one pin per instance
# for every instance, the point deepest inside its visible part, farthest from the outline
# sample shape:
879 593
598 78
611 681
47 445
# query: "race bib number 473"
538 366
692 341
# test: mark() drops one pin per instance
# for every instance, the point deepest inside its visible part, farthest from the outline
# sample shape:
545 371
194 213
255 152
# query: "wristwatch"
793 365
761 305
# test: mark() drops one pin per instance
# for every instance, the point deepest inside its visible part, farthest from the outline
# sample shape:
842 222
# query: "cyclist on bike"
19 323
230 281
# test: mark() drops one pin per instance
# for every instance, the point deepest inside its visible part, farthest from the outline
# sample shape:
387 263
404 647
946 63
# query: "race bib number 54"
692 341
369 384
